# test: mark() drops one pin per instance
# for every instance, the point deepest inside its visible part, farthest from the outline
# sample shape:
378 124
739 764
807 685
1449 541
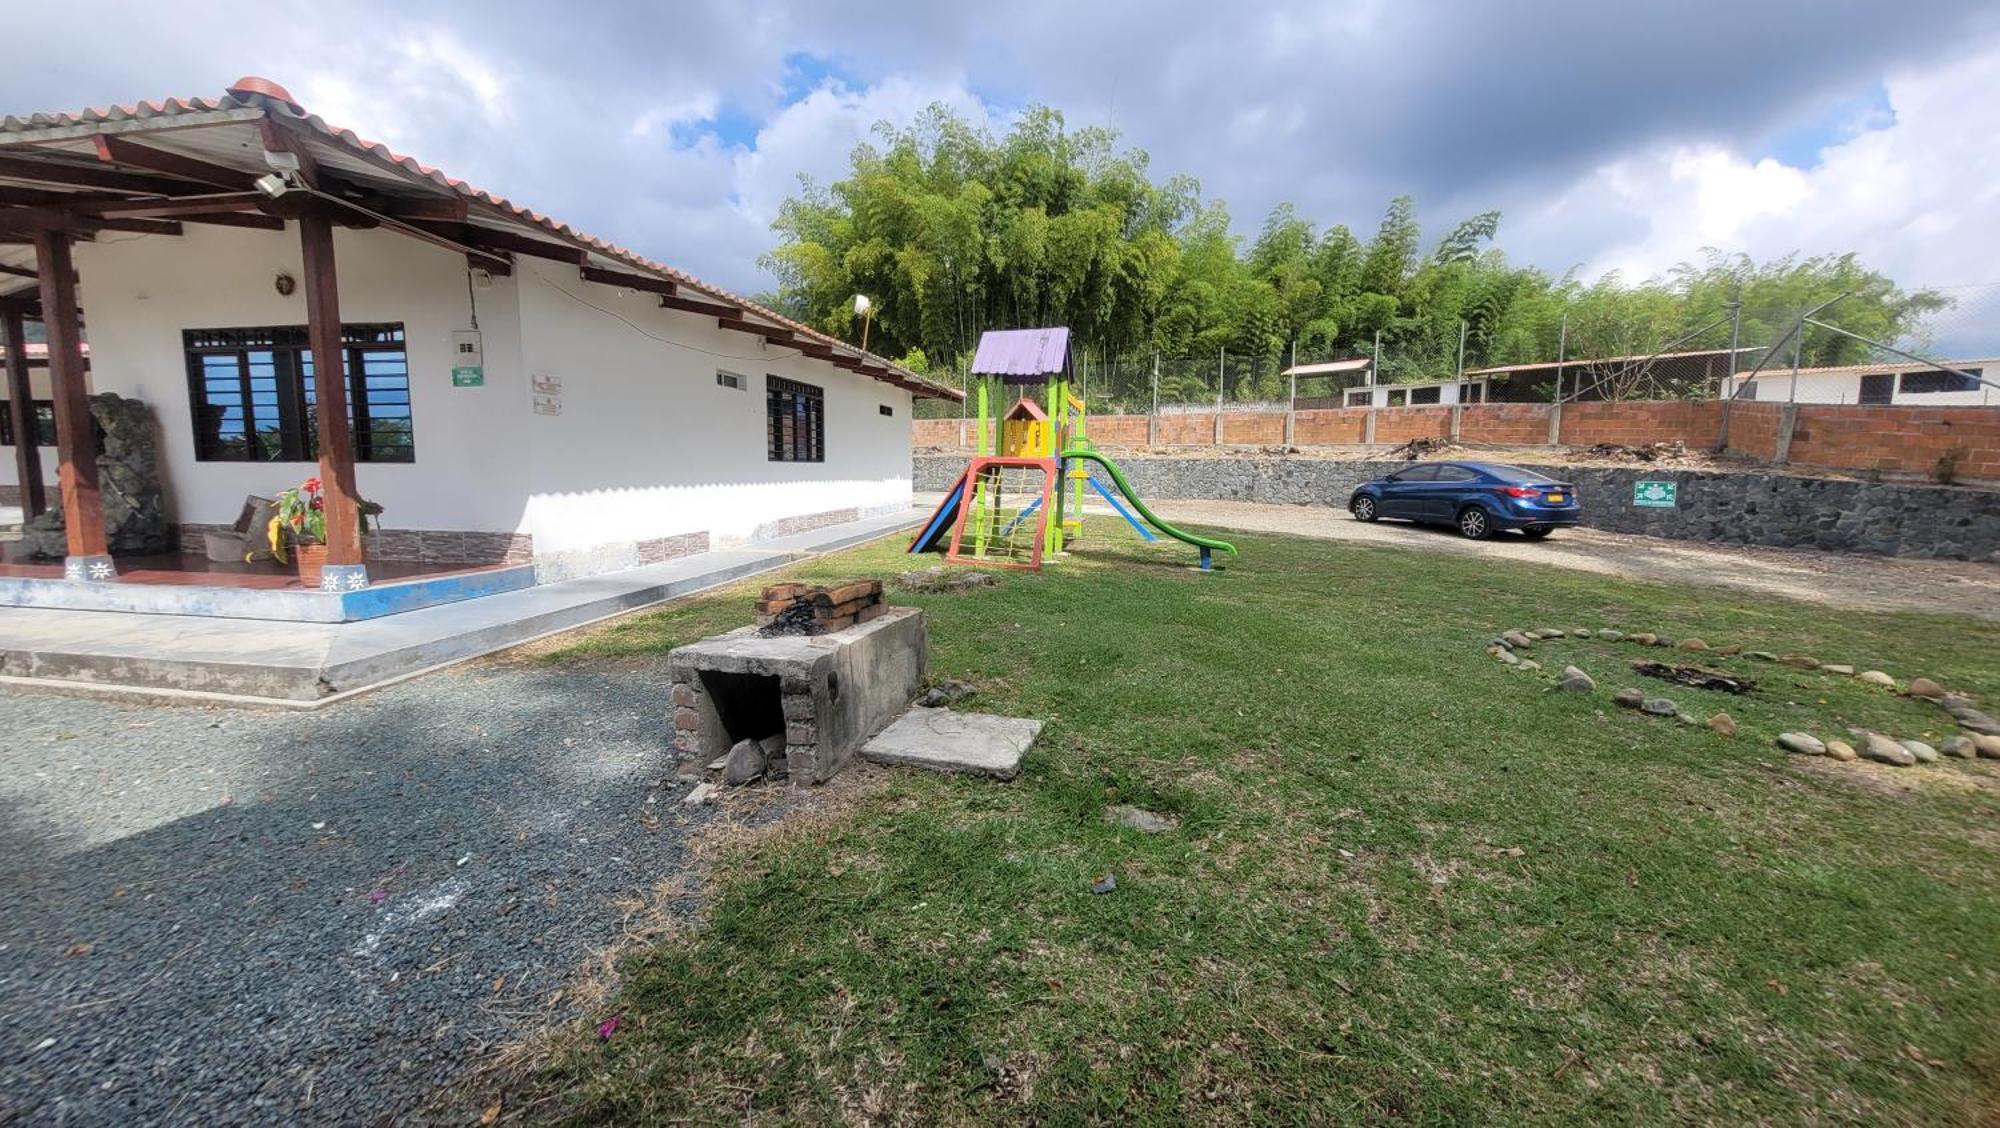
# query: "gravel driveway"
214 915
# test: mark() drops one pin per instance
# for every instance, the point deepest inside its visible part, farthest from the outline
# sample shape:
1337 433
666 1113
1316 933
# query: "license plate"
1555 499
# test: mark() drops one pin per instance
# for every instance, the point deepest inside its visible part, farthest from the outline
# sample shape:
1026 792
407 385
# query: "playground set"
1020 498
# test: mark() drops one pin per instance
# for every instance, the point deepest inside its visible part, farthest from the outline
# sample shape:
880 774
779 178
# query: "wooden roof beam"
689 305
117 150
73 174
643 282
17 271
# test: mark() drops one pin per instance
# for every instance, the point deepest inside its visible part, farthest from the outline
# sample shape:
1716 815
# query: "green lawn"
1409 884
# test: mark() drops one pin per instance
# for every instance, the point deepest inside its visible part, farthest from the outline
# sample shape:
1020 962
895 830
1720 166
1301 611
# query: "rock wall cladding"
128 476
1723 507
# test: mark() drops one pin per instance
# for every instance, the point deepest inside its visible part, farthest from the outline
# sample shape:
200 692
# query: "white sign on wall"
548 394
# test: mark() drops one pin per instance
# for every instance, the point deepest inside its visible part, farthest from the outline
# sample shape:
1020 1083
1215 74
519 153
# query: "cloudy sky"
1613 135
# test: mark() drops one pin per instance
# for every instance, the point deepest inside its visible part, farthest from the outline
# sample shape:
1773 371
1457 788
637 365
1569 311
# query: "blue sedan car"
1479 498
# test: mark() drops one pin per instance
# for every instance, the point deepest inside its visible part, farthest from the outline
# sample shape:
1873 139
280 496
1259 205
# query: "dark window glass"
795 419
1456 474
1878 388
1424 395
1923 383
1517 475
1747 390
1424 473
885 409
1398 398
45 423
1472 393
253 394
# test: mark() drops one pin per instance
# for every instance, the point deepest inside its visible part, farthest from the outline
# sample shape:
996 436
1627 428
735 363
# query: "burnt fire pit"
825 682
1696 677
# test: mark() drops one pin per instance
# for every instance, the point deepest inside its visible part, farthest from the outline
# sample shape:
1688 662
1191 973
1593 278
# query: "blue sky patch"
1799 145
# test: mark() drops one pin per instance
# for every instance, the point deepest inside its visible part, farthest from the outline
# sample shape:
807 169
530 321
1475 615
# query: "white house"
1965 383
517 390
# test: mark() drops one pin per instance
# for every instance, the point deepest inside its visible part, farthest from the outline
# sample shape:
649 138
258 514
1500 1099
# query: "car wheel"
1474 523
1536 534
1363 508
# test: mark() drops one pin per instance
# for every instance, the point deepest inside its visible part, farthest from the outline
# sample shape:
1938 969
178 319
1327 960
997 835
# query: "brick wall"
1753 429
1331 427
938 432
1698 423
1117 430
1525 424
1400 425
1897 440
1253 428
1187 430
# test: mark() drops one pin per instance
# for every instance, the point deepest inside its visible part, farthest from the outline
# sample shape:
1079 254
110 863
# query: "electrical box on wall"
468 361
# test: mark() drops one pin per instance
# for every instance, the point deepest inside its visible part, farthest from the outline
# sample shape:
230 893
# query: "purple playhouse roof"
1022 352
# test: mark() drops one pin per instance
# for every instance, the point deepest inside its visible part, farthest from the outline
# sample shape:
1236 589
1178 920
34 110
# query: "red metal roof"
254 92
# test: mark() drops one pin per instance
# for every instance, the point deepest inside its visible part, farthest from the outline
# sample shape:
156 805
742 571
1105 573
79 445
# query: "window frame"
803 406
294 436
1970 382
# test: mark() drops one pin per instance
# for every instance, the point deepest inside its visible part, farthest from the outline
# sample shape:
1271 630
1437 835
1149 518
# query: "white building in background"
1908 385
518 389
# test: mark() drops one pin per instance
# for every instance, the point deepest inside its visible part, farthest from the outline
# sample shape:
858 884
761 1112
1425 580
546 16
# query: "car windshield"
1516 474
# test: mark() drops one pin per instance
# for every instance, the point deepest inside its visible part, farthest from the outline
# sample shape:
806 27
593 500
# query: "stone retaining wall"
1723 507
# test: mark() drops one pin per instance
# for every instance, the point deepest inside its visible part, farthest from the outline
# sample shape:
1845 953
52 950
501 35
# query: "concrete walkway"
313 663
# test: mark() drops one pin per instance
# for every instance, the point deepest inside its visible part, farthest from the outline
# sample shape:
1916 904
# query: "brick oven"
825 667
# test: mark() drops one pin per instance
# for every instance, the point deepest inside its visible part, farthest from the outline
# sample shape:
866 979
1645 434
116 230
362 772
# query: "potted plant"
300 525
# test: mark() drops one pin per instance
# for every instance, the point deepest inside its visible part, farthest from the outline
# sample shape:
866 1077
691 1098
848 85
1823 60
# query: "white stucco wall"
1774 385
140 293
648 445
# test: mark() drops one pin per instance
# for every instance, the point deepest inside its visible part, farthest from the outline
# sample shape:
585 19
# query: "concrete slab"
942 740
304 664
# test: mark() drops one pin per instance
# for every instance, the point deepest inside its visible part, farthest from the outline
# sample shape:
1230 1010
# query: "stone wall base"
419 546
1722 507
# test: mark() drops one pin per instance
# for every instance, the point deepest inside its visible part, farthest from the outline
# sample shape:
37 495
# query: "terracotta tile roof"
255 93
1588 361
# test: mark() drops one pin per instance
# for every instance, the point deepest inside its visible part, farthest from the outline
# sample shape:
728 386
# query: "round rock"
1877 677
1723 723
1659 707
1802 743
1882 750
1924 753
1926 689
1841 750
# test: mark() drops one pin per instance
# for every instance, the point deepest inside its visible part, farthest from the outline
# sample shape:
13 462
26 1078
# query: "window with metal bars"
795 418
45 422
1936 381
254 400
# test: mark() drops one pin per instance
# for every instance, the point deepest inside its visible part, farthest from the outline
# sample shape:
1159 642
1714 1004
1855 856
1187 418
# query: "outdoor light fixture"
273 184
862 308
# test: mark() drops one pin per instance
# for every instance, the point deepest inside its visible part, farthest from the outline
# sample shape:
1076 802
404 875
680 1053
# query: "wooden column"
21 402
76 435
336 445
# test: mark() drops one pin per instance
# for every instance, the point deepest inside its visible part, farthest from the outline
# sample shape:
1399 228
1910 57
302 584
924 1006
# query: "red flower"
312 485
318 504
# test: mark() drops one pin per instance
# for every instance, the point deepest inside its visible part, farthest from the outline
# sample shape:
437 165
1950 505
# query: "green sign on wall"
1654 495
468 376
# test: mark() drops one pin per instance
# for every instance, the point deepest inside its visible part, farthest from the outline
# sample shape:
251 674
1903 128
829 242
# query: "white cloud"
1918 197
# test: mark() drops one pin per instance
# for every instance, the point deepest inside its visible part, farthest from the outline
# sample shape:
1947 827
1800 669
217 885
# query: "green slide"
1125 487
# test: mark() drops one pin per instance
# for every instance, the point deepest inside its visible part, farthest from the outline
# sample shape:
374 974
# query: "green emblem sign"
468 376
1653 495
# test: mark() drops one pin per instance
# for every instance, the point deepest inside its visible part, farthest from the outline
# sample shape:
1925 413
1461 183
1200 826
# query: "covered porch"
181 174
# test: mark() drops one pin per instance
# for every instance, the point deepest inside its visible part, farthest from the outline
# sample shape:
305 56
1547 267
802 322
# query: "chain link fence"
1954 329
